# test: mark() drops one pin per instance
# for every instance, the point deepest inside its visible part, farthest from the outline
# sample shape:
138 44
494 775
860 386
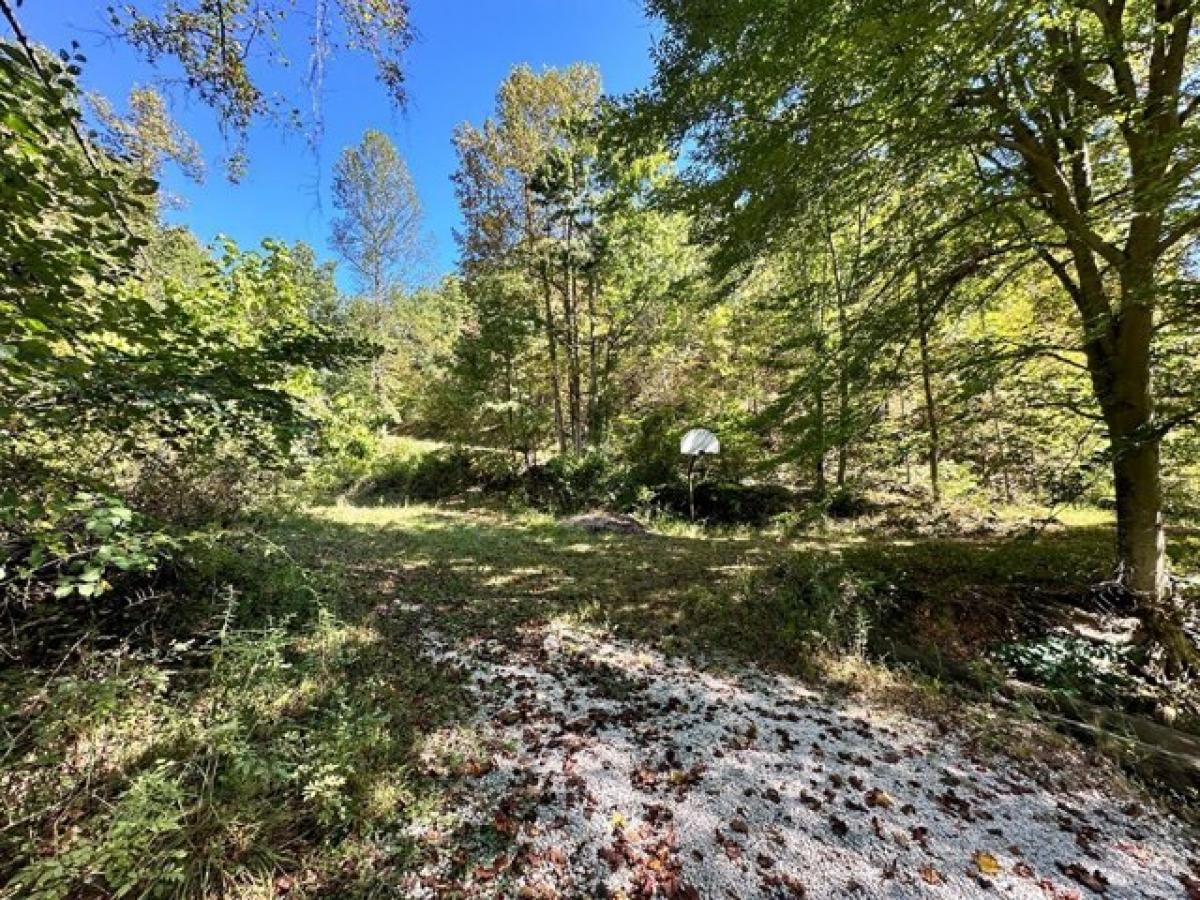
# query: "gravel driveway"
599 769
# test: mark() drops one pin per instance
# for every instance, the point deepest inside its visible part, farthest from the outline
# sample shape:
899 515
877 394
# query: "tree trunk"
1141 543
843 448
1001 448
552 350
571 316
819 403
931 422
514 440
843 412
1119 363
543 267
819 455
595 426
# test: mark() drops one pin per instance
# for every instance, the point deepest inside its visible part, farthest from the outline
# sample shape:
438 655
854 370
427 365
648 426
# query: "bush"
438 475
813 602
249 725
1091 670
846 503
725 503
199 486
78 546
568 484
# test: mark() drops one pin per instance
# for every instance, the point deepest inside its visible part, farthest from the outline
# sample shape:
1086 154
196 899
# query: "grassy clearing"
285 731
770 598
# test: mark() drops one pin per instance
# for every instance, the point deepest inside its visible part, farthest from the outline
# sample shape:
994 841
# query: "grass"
280 728
736 594
268 728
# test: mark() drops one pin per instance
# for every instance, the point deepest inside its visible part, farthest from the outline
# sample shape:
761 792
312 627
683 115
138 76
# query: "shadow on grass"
472 571
298 748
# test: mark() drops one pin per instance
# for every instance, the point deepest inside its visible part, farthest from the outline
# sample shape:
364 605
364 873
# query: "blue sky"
464 50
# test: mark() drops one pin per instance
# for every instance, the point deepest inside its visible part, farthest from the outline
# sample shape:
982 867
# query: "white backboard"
699 442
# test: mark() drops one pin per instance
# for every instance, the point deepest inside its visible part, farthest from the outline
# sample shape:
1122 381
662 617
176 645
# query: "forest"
329 571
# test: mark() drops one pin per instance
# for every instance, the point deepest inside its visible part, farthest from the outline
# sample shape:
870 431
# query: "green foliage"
143 381
1094 671
819 605
378 228
723 502
439 474
67 244
211 46
935 150
74 547
573 482
573 276
212 748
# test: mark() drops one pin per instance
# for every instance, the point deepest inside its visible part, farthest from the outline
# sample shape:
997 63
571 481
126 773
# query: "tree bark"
543 267
843 411
1141 542
552 351
931 420
819 455
819 403
1119 363
1001 447
595 426
571 316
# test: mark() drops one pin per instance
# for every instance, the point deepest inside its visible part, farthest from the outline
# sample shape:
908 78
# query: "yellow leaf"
986 863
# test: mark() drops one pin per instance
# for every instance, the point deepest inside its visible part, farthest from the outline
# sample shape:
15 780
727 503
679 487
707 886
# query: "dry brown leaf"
930 875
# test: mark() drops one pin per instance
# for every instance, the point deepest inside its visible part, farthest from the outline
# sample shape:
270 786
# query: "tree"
147 137
227 50
1077 119
550 212
115 333
495 184
378 228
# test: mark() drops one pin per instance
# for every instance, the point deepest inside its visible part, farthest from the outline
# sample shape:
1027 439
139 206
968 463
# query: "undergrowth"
251 725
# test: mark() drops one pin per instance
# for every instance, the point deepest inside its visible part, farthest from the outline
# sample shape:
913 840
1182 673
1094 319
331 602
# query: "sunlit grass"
320 716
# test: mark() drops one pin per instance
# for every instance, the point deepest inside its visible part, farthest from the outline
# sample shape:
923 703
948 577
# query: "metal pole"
691 490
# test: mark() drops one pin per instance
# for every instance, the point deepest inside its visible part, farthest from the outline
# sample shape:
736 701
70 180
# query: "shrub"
80 546
438 475
846 503
228 738
1077 666
569 484
725 503
813 602
196 486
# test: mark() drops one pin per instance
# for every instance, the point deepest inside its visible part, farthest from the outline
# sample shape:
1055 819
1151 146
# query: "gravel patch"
596 768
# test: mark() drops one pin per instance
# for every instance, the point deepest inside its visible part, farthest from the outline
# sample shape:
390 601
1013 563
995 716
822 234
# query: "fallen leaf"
1093 880
1137 851
986 863
538 890
793 886
879 798
930 875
